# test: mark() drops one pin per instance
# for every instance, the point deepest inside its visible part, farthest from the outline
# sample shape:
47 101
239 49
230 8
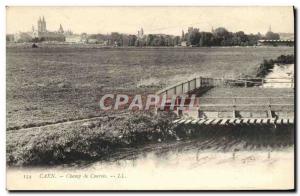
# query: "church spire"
60 30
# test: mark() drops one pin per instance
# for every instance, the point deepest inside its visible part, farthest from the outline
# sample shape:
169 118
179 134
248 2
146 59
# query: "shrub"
267 65
288 59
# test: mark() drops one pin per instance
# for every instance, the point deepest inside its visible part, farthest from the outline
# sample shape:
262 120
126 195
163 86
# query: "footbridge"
233 110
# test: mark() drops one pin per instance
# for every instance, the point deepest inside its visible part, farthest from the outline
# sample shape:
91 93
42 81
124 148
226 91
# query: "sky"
167 20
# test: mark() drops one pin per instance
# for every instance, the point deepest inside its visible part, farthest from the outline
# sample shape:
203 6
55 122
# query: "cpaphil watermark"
147 102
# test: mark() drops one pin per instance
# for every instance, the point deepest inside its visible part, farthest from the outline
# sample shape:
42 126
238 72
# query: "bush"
267 65
288 59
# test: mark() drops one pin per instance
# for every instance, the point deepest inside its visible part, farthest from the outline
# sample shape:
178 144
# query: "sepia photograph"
150 98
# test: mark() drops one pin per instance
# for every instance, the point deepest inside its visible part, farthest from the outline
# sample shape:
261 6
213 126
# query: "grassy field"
48 84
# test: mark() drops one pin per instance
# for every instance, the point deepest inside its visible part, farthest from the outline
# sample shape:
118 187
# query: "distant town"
193 37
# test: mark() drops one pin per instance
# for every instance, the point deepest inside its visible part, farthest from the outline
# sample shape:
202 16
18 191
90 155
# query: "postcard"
150 98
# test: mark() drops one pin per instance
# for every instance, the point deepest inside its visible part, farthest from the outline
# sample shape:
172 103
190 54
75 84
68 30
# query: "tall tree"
272 36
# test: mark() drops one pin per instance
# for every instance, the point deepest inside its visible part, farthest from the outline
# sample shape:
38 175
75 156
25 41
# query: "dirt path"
65 122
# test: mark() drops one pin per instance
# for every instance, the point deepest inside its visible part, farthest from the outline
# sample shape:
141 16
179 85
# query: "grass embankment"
86 141
98 140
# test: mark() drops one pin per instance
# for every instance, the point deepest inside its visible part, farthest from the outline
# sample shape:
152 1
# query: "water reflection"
187 154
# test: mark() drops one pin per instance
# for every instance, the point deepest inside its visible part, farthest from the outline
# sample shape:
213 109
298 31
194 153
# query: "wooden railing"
186 86
202 82
272 106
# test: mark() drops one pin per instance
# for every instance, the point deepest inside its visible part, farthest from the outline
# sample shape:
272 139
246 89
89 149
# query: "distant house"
287 36
10 38
73 38
125 40
184 43
52 36
84 38
279 42
22 37
92 41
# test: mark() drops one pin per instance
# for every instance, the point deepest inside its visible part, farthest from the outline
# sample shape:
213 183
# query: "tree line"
194 37
223 37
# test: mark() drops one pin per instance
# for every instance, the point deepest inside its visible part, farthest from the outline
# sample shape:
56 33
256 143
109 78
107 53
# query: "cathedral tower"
60 30
42 25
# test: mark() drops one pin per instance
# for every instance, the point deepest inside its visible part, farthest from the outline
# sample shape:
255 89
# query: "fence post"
223 84
269 111
234 107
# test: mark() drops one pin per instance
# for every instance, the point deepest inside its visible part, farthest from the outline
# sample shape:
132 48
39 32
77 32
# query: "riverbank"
91 140
104 139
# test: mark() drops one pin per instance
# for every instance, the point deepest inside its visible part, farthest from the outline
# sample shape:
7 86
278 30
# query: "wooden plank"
265 121
258 121
202 121
238 121
285 121
278 121
244 105
187 122
252 121
245 120
181 121
231 121
216 121
252 98
194 121
176 121
223 122
208 121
